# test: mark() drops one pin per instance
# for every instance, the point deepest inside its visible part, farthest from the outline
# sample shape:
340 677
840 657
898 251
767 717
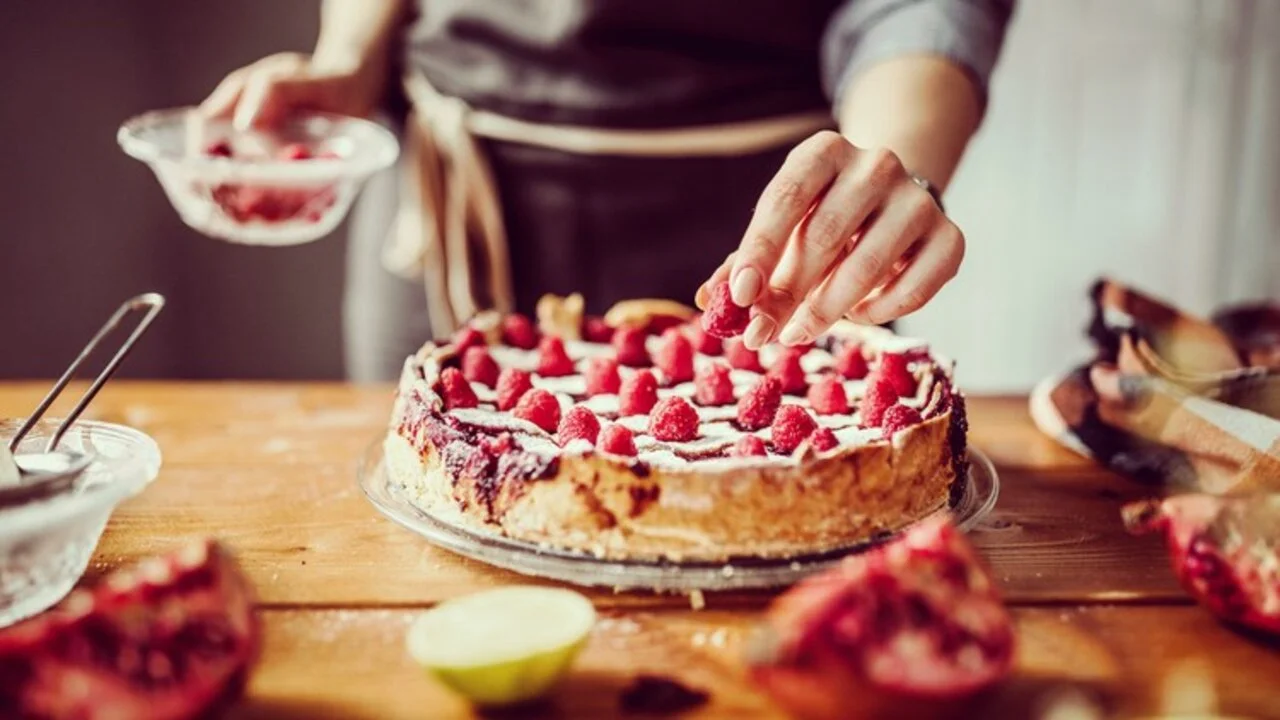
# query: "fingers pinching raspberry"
839 231
724 318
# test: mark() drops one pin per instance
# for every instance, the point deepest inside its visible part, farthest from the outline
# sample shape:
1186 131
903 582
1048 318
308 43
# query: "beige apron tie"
449 229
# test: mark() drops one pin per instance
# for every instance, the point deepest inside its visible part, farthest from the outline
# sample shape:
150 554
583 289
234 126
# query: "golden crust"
599 505
561 316
639 313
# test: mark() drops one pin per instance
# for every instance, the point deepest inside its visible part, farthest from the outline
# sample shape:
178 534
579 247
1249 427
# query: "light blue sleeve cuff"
862 33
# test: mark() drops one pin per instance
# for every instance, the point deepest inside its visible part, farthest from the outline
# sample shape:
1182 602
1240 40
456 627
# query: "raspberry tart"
642 436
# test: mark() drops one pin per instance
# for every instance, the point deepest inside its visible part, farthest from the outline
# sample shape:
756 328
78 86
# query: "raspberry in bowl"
289 186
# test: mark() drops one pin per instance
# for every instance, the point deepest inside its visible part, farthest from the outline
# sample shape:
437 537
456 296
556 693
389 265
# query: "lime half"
504 646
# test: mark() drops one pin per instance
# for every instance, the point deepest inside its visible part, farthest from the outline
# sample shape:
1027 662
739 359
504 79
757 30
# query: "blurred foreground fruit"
1225 551
903 630
504 646
172 638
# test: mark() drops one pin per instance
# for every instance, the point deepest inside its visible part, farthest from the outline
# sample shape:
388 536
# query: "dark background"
1136 139
86 226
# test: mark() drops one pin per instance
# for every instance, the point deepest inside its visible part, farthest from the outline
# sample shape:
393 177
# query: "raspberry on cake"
519 331
673 418
823 439
601 376
702 341
616 440
578 424
674 356
789 372
478 366
791 426
468 337
899 417
740 357
512 385
456 390
851 363
893 370
827 397
595 330
629 342
639 393
712 386
758 406
553 361
580 448
879 398
749 446
540 408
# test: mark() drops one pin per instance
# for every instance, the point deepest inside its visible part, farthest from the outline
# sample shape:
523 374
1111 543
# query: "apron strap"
449 228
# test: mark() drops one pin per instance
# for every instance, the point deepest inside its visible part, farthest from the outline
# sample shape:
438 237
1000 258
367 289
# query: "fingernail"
793 334
745 286
758 332
700 298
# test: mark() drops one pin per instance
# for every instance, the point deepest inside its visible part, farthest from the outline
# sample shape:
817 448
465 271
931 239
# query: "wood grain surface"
270 470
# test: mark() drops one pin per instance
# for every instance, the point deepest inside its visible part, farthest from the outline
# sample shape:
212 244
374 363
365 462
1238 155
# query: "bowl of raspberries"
291 185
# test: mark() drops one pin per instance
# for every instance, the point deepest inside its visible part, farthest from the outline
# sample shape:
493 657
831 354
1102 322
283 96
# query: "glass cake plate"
975 499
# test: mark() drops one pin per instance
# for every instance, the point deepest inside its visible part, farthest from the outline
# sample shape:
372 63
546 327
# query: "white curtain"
1140 139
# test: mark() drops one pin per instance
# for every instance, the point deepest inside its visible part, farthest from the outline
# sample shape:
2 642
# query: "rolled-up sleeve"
861 33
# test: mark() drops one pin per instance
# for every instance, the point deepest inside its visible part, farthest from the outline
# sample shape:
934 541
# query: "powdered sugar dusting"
514 357
854 435
717 431
484 393
568 384
579 349
540 444
662 458
721 412
835 422
816 360
635 423
602 404
493 420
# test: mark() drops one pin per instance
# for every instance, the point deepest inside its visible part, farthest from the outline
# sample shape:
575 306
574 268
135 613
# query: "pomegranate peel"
1225 552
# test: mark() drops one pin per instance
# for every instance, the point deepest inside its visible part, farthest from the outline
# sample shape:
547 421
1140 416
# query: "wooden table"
269 469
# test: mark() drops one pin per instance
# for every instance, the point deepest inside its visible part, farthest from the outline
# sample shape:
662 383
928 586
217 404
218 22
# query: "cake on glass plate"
653 433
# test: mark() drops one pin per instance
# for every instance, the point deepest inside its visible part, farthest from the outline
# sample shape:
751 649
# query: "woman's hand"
268 91
839 232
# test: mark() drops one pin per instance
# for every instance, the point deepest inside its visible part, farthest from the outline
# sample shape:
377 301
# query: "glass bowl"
46 545
289 186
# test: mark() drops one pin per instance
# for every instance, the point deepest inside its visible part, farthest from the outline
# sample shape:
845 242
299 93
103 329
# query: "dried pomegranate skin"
907 629
1225 552
172 638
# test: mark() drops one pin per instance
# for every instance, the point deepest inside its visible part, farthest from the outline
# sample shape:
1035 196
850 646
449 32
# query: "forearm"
355 35
923 108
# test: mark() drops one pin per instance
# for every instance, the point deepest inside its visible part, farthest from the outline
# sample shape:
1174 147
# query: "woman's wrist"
355 36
